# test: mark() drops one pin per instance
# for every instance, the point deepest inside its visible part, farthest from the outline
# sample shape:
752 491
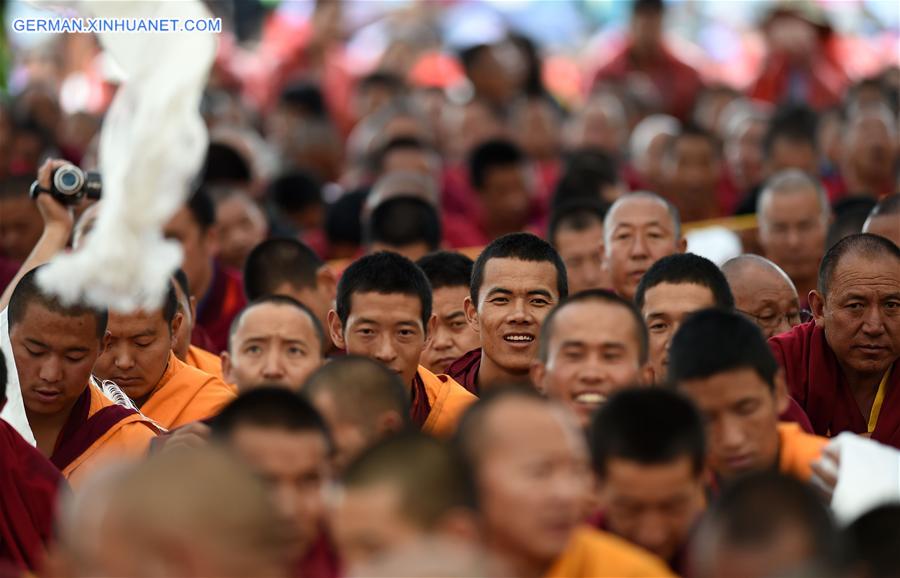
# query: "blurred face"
506 197
590 356
788 549
887 226
767 298
384 327
582 252
272 345
792 233
692 171
861 314
665 307
654 506
745 153
641 232
594 128
54 355
514 298
319 299
538 129
533 480
413 251
412 160
870 149
295 466
20 227
791 154
240 226
138 346
349 436
650 164
646 30
198 247
741 413
368 522
453 336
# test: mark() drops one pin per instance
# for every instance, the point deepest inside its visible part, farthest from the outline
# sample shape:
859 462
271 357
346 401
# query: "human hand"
55 214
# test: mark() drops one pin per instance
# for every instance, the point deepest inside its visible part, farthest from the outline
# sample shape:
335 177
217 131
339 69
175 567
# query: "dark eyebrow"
656 315
145 333
454 315
500 290
541 292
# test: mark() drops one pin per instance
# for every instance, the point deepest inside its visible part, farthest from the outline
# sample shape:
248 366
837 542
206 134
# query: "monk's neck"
489 373
46 428
864 387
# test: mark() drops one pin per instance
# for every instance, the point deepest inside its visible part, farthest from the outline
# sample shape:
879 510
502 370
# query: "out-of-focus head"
138 347
284 440
673 288
289 267
273 340
721 361
21 225
850 214
744 136
576 232
856 302
186 512
530 465
54 346
406 155
383 311
186 306
649 453
493 70
884 220
647 145
872 542
763 525
793 213
240 225
870 145
297 196
646 26
791 141
398 492
588 174
600 124
500 173
516 280
535 123
639 229
586 351
449 275
376 90
763 292
361 400
692 167
408 226
193 226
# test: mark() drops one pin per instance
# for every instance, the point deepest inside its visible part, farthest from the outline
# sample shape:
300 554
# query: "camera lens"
68 180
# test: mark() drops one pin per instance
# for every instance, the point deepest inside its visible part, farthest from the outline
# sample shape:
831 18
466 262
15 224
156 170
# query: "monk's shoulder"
608 555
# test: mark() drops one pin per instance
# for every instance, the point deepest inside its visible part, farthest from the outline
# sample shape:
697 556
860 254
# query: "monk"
763 292
361 400
289 267
74 422
530 468
639 230
138 358
765 525
720 360
401 491
383 311
576 232
449 275
184 350
282 438
649 454
884 220
592 344
274 340
29 487
516 281
841 368
191 513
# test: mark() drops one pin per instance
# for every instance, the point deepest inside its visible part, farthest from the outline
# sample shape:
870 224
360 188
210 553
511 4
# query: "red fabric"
8 270
321 561
676 82
464 370
795 414
419 407
823 82
816 381
29 486
224 299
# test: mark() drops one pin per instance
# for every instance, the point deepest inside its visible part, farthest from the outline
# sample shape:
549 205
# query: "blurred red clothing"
819 84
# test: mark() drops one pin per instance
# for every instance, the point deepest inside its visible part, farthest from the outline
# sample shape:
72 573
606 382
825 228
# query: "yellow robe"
595 554
448 401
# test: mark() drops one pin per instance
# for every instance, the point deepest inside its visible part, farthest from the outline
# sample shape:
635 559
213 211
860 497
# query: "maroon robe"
816 381
320 561
29 486
419 407
464 370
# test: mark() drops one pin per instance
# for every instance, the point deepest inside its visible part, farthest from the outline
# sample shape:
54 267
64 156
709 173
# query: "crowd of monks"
478 339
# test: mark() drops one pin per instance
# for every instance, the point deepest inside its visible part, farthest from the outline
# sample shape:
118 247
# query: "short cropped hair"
447 269
402 221
284 301
275 262
576 215
684 269
498 153
524 247
385 273
861 244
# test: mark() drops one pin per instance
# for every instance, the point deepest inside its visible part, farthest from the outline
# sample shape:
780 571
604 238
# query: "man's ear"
326 283
817 305
536 372
211 240
336 330
227 367
682 245
646 374
388 423
471 314
104 341
429 330
782 397
175 326
193 302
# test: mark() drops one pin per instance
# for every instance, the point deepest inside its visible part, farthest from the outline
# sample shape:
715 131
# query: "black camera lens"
68 180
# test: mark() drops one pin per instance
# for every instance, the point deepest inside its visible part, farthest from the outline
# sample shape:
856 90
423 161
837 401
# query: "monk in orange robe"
138 357
721 361
383 311
842 367
75 420
533 526
187 352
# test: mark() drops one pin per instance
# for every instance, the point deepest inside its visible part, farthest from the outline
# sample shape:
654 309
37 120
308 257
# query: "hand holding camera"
66 185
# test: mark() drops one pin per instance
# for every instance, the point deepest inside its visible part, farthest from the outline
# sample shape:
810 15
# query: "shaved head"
29 292
884 220
763 291
861 245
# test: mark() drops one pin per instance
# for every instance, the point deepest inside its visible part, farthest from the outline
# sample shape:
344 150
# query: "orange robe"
208 363
798 450
186 394
99 430
446 400
595 554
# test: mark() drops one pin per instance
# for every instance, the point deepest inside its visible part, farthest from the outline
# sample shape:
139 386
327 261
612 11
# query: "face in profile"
453 336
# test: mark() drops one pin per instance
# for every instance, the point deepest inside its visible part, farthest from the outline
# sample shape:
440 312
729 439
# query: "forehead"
518 428
755 283
261 444
681 297
267 318
640 212
395 307
52 326
450 297
517 274
136 321
595 321
855 271
567 235
725 387
802 200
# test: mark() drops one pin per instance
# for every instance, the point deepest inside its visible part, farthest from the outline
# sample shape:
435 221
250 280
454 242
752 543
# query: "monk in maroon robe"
841 367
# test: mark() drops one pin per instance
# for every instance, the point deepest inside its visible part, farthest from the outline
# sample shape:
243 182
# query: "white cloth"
868 475
151 147
14 411
717 244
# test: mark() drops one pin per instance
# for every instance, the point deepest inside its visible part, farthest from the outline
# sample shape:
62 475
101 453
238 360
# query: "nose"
442 339
123 358
639 247
651 534
273 367
873 322
51 370
520 312
784 325
793 237
385 352
592 371
730 434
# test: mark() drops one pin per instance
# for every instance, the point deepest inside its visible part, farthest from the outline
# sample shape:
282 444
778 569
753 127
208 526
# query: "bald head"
884 220
763 291
786 183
